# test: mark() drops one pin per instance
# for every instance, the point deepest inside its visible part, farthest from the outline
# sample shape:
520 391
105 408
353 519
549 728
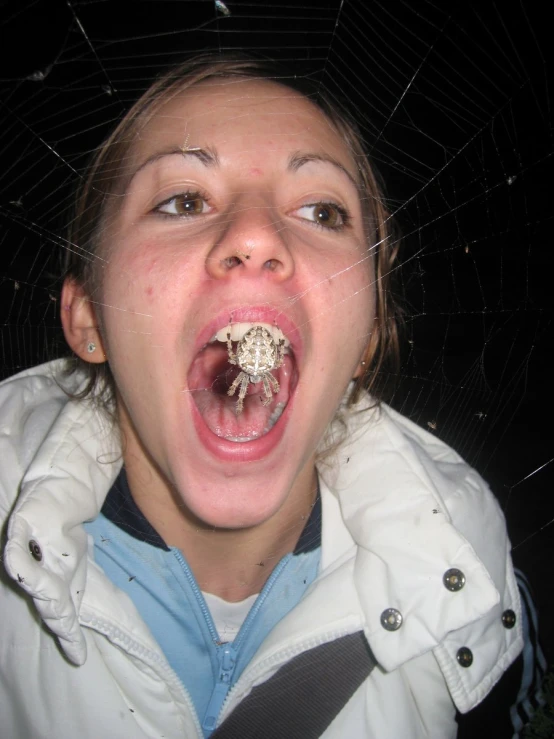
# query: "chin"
233 502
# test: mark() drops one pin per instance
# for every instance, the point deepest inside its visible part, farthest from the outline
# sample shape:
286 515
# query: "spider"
257 354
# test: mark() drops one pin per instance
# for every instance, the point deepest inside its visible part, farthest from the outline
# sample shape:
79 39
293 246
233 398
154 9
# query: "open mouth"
242 380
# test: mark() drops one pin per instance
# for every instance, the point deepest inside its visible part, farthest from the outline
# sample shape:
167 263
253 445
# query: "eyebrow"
207 156
299 159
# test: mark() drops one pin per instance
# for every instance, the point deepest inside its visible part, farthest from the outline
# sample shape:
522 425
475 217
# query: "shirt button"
35 550
464 657
509 619
454 579
391 619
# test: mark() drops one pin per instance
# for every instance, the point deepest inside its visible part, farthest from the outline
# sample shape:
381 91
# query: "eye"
326 215
184 204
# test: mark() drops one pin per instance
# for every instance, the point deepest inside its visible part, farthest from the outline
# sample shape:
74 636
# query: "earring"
91 347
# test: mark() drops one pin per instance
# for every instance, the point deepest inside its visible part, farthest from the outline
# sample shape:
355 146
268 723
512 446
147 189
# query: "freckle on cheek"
150 291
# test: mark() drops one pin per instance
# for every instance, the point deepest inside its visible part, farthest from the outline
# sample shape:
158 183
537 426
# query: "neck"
230 563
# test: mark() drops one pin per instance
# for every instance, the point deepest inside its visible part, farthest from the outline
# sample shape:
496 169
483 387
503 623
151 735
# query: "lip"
248 451
257 449
251 314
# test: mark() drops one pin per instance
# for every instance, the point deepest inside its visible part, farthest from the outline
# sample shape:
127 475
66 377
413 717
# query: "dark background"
455 106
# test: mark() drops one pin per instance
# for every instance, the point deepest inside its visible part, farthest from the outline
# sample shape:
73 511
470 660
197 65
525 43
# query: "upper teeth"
238 330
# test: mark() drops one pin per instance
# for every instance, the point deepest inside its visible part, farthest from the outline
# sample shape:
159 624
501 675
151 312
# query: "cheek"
139 277
130 288
349 300
346 267
147 292
349 288
151 280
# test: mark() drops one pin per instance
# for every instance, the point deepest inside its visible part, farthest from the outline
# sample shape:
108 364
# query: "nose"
252 244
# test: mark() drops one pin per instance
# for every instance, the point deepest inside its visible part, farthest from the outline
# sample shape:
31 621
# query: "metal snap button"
509 619
454 580
391 619
464 657
35 550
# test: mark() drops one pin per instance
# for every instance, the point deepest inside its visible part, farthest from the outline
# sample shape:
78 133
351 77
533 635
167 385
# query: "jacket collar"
384 520
64 485
393 482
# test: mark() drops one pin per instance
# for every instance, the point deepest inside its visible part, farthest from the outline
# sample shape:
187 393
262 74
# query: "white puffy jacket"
399 509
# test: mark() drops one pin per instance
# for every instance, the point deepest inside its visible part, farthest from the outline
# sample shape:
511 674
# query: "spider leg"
267 390
274 383
270 386
242 392
280 354
243 379
238 379
232 355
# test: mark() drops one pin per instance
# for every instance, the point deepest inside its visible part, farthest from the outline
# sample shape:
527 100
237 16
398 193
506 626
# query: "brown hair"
105 173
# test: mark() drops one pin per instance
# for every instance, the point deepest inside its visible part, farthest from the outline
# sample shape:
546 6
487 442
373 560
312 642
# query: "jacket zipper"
227 661
227 654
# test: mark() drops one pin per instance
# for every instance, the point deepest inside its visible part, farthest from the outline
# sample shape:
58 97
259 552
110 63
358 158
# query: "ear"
80 325
370 350
360 369
364 362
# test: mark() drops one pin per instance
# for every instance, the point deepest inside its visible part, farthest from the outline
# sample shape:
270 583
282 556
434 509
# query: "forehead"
238 112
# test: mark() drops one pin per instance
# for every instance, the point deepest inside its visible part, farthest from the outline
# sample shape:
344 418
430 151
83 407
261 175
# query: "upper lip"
251 314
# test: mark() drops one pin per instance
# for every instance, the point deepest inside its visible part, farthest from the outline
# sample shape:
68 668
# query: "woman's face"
241 207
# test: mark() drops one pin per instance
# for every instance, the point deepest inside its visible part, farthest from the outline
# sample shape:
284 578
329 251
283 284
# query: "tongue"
210 377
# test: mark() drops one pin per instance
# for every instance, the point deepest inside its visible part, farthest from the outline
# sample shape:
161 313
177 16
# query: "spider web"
455 108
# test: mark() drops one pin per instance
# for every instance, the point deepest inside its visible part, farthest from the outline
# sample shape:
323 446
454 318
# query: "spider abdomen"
257 353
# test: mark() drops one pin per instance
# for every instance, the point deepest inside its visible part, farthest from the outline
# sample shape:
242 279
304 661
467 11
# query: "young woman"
212 527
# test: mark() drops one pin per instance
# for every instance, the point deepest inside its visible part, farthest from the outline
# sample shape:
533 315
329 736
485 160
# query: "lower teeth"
240 439
276 414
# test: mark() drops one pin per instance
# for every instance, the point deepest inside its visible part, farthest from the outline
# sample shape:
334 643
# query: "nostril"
271 264
230 262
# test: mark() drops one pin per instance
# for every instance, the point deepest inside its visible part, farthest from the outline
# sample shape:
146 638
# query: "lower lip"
246 451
